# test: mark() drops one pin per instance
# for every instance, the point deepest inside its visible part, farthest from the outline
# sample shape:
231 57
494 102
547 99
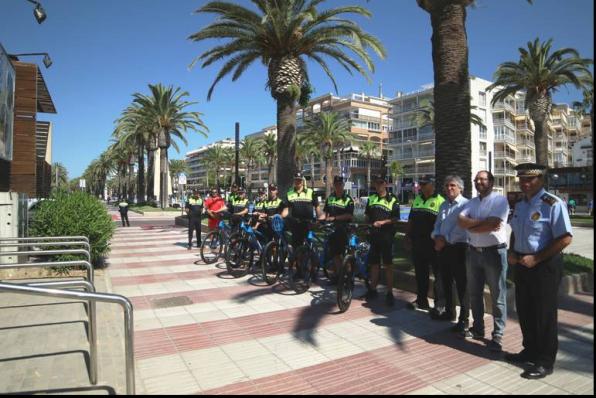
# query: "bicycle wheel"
271 263
301 272
211 247
345 284
239 256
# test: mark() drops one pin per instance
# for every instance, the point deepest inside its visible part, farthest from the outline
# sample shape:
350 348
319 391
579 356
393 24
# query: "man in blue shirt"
451 245
540 230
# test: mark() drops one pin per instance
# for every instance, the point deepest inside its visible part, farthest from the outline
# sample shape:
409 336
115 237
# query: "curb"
570 285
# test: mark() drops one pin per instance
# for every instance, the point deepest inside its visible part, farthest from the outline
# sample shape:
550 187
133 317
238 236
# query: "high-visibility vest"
430 205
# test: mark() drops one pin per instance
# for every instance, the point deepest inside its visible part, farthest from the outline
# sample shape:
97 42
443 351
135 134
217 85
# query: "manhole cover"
171 302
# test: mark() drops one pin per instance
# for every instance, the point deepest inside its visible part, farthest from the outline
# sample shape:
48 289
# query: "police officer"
238 206
268 208
339 209
302 206
123 209
541 229
421 222
382 211
194 209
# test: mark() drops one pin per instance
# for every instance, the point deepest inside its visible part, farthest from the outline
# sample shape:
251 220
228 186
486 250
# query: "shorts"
381 250
338 241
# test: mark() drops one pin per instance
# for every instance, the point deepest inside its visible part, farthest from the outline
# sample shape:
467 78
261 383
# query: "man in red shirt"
215 205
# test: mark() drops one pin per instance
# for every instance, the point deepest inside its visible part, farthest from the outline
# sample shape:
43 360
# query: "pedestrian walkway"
197 330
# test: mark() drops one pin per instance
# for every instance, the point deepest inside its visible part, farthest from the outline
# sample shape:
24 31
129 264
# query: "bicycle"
313 254
244 250
276 252
216 243
355 264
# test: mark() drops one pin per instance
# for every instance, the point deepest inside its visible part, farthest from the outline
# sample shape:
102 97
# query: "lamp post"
38 12
47 61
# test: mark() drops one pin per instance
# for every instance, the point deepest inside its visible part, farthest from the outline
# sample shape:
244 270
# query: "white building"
197 177
582 153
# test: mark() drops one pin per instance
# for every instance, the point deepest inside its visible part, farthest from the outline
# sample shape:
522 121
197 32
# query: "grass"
574 264
581 217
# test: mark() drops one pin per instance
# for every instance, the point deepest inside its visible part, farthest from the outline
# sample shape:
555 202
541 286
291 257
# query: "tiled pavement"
239 336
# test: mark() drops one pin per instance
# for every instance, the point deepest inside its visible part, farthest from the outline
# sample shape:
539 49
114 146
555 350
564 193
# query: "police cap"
530 170
338 179
426 179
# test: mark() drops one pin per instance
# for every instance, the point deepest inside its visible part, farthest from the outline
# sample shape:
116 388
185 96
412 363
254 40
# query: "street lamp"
47 61
39 13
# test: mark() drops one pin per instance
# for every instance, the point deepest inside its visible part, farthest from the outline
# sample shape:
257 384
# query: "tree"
282 34
59 179
215 159
331 132
369 150
540 73
165 110
396 170
306 150
586 105
251 153
269 145
177 168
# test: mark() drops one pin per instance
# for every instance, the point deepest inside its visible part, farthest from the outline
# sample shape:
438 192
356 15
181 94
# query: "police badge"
535 216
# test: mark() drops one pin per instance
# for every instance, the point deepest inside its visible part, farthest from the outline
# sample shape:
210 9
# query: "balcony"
505 138
505 171
525 158
526 143
423 136
504 106
504 155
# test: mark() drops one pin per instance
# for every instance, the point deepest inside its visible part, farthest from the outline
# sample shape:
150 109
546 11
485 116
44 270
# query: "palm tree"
369 150
59 178
251 153
306 150
178 167
540 73
215 160
281 34
425 116
396 169
331 132
586 106
269 146
165 109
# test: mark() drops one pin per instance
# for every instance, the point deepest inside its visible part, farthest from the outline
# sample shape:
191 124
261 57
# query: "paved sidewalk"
197 330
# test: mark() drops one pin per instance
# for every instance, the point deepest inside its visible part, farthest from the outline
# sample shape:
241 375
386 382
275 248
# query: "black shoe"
496 344
189 247
389 299
473 334
370 295
460 327
443 315
518 358
537 372
415 305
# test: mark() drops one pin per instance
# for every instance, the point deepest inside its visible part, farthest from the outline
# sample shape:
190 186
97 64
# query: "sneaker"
415 305
472 333
496 344
389 299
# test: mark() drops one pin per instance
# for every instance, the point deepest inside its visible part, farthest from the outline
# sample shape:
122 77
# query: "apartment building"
198 176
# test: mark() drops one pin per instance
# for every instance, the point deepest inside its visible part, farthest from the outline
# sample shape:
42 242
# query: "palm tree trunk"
131 172
329 174
163 177
368 177
286 142
141 173
150 174
453 147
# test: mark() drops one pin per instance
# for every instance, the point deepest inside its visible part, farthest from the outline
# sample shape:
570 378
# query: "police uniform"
236 205
123 209
270 208
535 224
338 206
381 239
194 205
423 215
302 209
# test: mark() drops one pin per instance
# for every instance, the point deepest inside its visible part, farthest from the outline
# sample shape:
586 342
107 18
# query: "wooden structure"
30 170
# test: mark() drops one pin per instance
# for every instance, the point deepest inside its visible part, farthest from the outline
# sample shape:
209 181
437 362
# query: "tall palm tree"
396 169
165 108
251 153
178 167
282 35
331 132
540 73
215 160
369 150
306 150
586 105
59 178
269 145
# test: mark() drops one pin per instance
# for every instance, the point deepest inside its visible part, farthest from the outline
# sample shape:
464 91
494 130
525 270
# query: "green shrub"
74 214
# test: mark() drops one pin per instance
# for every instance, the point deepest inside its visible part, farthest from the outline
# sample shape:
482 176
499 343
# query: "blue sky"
105 50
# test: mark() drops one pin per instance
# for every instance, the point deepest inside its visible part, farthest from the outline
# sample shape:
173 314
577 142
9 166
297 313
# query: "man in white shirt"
485 218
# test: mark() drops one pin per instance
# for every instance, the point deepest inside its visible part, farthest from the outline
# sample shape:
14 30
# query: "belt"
457 244
484 249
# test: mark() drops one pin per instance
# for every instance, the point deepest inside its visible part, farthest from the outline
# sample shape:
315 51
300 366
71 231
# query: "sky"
103 51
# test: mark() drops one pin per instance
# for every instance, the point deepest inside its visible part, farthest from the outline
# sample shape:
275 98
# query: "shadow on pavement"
108 390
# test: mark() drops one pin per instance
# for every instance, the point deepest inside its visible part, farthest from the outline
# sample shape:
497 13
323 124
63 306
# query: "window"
481 98
483 149
483 133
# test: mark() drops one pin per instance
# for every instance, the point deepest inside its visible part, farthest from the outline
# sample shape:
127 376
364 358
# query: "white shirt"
494 205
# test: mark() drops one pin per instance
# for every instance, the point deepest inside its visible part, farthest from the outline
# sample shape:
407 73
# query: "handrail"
91 312
91 297
47 253
86 239
77 263
42 244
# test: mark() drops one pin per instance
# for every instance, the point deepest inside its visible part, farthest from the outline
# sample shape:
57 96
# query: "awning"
44 100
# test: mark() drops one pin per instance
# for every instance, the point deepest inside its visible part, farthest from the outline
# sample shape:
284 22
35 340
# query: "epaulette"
548 199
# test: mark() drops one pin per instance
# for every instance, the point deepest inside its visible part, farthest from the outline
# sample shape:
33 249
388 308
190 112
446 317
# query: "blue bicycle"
215 243
311 257
276 253
244 250
355 265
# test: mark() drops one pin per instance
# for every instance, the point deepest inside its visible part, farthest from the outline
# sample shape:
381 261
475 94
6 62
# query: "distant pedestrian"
571 206
540 230
123 209
484 218
590 207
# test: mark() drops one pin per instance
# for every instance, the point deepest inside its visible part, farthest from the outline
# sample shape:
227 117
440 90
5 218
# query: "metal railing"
44 238
31 253
91 298
42 244
77 263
